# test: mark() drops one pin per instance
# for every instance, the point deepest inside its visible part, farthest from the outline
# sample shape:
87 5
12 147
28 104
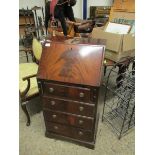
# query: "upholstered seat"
28 86
27 69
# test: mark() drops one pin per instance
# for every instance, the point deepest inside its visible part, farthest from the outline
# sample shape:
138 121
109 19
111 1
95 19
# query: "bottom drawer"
69 131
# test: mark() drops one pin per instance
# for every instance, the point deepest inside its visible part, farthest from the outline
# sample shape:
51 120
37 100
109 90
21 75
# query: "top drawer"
69 92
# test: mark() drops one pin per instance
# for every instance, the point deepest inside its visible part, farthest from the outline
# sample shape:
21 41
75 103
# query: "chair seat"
26 69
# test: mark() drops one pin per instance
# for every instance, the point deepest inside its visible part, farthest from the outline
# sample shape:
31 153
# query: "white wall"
32 3
78 9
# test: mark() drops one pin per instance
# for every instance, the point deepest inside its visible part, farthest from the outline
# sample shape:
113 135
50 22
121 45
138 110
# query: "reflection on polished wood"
71 63
70 75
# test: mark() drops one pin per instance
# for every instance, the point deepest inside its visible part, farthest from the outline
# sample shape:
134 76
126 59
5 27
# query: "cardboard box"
122 14
117 45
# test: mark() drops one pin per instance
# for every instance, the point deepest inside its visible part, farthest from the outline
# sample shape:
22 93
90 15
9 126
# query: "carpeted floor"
33 141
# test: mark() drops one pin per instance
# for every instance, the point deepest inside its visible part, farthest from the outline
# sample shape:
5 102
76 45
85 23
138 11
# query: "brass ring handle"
80 133
54 116
52 102
55 127
80 121
51 90
81 94
81 108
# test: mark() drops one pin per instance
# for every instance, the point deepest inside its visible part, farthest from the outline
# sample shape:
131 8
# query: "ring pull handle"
51 90
81 94
81 108
80 122
80 133
52 102
54 116
55 127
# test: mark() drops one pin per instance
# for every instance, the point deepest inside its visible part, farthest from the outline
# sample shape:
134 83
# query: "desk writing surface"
72 63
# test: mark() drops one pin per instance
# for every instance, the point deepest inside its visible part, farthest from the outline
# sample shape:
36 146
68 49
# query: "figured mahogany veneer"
69 119
69 78
72 64
73 107
70 131
75 93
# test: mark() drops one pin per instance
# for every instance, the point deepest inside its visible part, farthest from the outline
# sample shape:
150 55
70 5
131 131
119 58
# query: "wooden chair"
28 87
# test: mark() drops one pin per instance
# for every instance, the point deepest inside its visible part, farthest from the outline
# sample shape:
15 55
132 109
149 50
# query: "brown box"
122 15
117 45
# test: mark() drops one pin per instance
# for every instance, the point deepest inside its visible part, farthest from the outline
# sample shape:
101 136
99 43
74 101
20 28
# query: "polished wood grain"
71 107
76 40
69 77
90 145
70 131
74 93
71 63
69 119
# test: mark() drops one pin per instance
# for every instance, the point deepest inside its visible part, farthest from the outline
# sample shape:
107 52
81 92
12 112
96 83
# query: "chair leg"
23 105
32 55
27 57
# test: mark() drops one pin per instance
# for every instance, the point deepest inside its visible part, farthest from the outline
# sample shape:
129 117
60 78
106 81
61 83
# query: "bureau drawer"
69 92
69 106
77 121
69 131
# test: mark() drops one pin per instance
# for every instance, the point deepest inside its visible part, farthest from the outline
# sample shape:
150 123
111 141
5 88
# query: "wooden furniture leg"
24 108
27 56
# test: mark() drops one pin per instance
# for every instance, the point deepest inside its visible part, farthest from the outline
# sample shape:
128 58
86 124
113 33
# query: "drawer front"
69 131
69 106
72 93
82 122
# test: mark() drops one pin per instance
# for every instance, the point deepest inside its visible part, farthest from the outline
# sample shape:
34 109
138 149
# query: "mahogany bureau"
69 78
